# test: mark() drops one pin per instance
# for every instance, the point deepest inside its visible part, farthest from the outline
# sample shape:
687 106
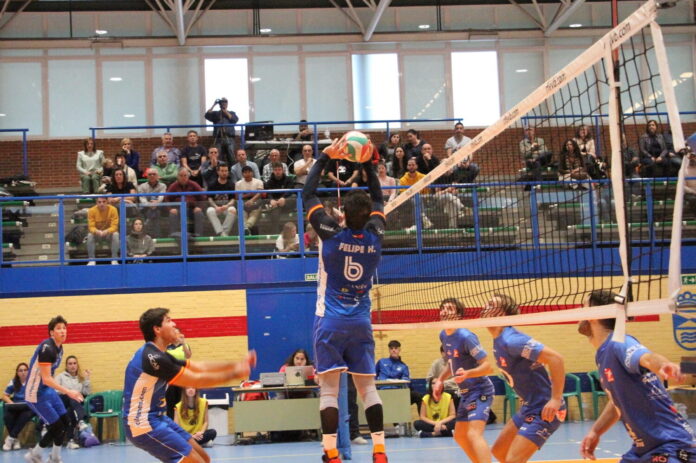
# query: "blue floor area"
563 445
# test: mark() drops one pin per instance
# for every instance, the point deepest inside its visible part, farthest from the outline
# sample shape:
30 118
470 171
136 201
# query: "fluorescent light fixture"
129 116
575 25
520 70
101 32
266 30
3 114
116 79
424 26
253 80
686 75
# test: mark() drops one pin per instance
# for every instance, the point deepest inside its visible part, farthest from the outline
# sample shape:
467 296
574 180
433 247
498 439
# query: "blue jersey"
46 353
16 396
516 355
388 368
646 408
148 374
464 350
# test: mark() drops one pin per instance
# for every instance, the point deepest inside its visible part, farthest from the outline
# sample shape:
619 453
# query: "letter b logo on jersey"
353 271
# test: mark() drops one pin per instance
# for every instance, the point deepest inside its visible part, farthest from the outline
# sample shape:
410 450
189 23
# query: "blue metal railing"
501 198
25 156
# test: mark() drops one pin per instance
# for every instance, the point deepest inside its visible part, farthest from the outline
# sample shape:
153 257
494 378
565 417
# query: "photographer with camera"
223 136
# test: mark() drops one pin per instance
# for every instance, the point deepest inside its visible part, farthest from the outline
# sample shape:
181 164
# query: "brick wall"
52 162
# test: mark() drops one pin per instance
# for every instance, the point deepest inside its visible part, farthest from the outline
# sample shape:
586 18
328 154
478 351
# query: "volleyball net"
546 243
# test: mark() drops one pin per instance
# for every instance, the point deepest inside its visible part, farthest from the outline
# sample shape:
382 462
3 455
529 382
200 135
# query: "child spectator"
436 416
17 413
311 239
120 161
287 241
74 379
192 415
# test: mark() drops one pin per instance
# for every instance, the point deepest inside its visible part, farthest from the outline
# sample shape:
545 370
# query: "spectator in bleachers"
193 156
89 165
192 416
267 170
690 185
446 199
631 166
311 239
278 202
305 134
120 163
132 156
252 200
120 186
194 203
173 153
413 145
220 203
74 379
150 205
341 173
572 164
107 172
138 243
437 417
287 241
18 414
466 171
536 156
426 160
583 137
301 166
223 137
236 171
456 141
102 225
209 166
654 152
436 369
397 166
386 180
411 177
386 149
393 368
166 171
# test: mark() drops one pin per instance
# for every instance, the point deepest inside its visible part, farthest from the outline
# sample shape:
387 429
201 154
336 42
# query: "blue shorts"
531 426
344 345
49 406
474 407
167 441
670 452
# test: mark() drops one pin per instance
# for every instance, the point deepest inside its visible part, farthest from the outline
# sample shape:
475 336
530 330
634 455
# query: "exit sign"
689 279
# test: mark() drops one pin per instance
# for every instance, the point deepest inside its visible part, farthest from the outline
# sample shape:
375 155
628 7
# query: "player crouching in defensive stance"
521 360
149 373
632 377
469 364
342 337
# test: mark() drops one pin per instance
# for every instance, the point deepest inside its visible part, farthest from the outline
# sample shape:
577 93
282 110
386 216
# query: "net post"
674 273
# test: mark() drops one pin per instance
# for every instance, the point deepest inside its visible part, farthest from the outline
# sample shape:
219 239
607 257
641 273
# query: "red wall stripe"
29 335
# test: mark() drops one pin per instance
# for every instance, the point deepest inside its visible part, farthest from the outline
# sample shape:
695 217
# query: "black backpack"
77 235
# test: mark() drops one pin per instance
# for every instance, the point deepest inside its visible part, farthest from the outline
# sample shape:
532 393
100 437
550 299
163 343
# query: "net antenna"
613 65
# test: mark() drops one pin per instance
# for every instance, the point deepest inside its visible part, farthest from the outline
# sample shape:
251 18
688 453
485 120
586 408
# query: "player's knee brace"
367 390
328 396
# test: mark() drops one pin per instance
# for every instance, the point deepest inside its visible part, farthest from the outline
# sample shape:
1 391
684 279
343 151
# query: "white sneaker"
31 457
114 262
81 425
427 223
91 262
51 459
360 440
72 445
9 442
17 445
207 444
411 229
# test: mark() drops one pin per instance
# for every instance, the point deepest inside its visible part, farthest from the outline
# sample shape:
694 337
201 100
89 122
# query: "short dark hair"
55 321
247 169
458 305
393 343
358 208
442 349
603 297
221 164
508 304
458 123
150 319
276 164
190 132
413 132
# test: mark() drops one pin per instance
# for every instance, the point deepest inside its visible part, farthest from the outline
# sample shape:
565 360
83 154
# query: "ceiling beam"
563 17
15 14
530 15
180 31
383 4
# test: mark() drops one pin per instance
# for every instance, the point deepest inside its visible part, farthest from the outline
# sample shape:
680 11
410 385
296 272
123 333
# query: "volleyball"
353 146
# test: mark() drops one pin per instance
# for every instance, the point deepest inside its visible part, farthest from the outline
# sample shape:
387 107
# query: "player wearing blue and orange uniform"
41 392
469 364
149 373
632 377
342 336
521 360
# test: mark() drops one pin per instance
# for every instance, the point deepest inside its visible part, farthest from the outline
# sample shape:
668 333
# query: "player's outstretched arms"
661 366
606 420
554 361
221 373
373 185
48 380
219 365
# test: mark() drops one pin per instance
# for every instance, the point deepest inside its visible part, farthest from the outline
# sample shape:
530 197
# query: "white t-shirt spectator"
254 184
388 181
454 145
280 245
300 163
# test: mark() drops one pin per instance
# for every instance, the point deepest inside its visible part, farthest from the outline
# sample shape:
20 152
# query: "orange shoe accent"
379 448
333 453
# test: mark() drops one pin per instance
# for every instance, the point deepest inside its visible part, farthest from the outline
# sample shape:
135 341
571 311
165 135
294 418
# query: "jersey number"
353 271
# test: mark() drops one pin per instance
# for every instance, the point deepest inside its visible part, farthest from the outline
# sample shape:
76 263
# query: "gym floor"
563 446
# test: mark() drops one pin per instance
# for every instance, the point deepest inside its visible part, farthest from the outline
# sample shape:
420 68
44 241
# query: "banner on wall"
684 323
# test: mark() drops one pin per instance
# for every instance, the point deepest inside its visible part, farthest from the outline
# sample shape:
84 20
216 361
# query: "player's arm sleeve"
323 224
630 353
473 346
47 355
525 347
163 365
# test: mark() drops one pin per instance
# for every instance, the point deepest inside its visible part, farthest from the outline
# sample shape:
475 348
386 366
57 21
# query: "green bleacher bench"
10 223
85 201
8 246
13 203
668 202
606 226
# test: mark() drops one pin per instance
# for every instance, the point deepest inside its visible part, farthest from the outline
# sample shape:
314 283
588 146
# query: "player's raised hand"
333 150
588 445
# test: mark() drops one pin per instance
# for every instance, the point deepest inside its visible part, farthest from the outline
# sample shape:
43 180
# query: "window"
475 91
376 88
228 78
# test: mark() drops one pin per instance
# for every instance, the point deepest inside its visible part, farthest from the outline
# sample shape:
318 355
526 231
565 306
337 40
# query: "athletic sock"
329 443
55 452
378 438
